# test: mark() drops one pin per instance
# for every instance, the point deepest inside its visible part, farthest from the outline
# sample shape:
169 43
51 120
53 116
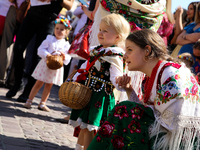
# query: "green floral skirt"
125 128
97 109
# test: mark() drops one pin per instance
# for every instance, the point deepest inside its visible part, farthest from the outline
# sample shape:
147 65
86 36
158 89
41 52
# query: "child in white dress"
52 45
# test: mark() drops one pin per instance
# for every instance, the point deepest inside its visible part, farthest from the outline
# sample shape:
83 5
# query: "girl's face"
134 56
107 35
60 31
190 12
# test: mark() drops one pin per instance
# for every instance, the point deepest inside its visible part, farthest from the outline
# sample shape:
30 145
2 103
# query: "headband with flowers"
185 57
63 20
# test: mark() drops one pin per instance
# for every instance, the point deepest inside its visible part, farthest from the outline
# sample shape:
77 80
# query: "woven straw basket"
74 94
54 62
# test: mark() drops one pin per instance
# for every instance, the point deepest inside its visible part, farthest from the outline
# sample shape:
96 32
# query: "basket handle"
74 72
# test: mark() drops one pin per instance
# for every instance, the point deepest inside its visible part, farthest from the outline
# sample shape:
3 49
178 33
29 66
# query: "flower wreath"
61 19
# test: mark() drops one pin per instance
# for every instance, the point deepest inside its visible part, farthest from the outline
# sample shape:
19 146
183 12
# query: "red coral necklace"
149 82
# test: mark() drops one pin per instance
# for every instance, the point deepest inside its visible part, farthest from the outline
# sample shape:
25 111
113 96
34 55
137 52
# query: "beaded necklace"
149 82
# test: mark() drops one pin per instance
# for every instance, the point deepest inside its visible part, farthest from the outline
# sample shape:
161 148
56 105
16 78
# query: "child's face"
60 31
107 35
196 54
134 56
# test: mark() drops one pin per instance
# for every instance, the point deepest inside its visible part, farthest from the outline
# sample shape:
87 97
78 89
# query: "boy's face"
60 31
196 54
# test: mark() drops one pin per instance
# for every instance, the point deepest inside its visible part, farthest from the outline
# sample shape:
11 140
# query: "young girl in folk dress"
168 118
52 45
112 32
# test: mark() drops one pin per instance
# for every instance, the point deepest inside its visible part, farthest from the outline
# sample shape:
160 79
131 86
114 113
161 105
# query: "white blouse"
53 46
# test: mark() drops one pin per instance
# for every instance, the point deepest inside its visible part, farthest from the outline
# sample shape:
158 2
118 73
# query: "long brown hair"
145 37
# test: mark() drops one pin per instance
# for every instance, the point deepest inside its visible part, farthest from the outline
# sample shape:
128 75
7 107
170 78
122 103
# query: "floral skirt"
125 128
95 113
43 73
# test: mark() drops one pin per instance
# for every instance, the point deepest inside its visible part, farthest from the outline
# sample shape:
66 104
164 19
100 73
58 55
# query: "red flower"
98 139
134 127
137 112
121 112
177 76
167 94
186 91
97 104
158 103
142 140
194 89
117 142
106 129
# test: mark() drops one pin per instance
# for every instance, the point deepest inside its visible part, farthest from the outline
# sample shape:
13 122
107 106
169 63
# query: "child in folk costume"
108 64
168 118
52 45
187 59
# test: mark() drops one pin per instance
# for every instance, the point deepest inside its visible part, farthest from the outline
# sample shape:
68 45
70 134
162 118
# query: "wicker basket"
54 62
74 94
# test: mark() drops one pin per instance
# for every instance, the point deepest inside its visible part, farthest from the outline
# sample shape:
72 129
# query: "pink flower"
106 129
134 127
137 112
121 112
194 89
186 91
167 94
192 79
177 76
117 142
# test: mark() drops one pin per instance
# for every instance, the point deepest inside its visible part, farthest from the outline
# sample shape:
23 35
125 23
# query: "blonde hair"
197 16
187 59
120 25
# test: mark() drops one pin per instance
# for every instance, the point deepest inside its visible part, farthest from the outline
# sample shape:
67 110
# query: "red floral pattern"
134 127
106 129
121 112
137 112
117 142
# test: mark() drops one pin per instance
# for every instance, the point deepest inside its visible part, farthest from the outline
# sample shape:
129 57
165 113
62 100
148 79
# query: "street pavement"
33 129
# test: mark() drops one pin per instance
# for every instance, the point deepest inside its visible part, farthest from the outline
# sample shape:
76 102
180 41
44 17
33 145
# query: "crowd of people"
144 66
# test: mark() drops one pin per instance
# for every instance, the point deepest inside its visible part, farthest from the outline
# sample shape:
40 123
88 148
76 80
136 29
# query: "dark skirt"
125 128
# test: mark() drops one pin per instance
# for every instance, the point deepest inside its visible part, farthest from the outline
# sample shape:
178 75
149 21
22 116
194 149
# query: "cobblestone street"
33 129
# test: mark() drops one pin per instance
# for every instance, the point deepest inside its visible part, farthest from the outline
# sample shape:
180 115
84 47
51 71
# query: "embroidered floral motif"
134 127
106 129
137 112
117 142
121 112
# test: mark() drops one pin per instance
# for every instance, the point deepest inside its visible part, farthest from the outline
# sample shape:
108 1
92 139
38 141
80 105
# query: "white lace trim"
184 131
82 125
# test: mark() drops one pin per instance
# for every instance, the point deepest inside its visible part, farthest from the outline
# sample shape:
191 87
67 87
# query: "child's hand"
124 82
63 55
